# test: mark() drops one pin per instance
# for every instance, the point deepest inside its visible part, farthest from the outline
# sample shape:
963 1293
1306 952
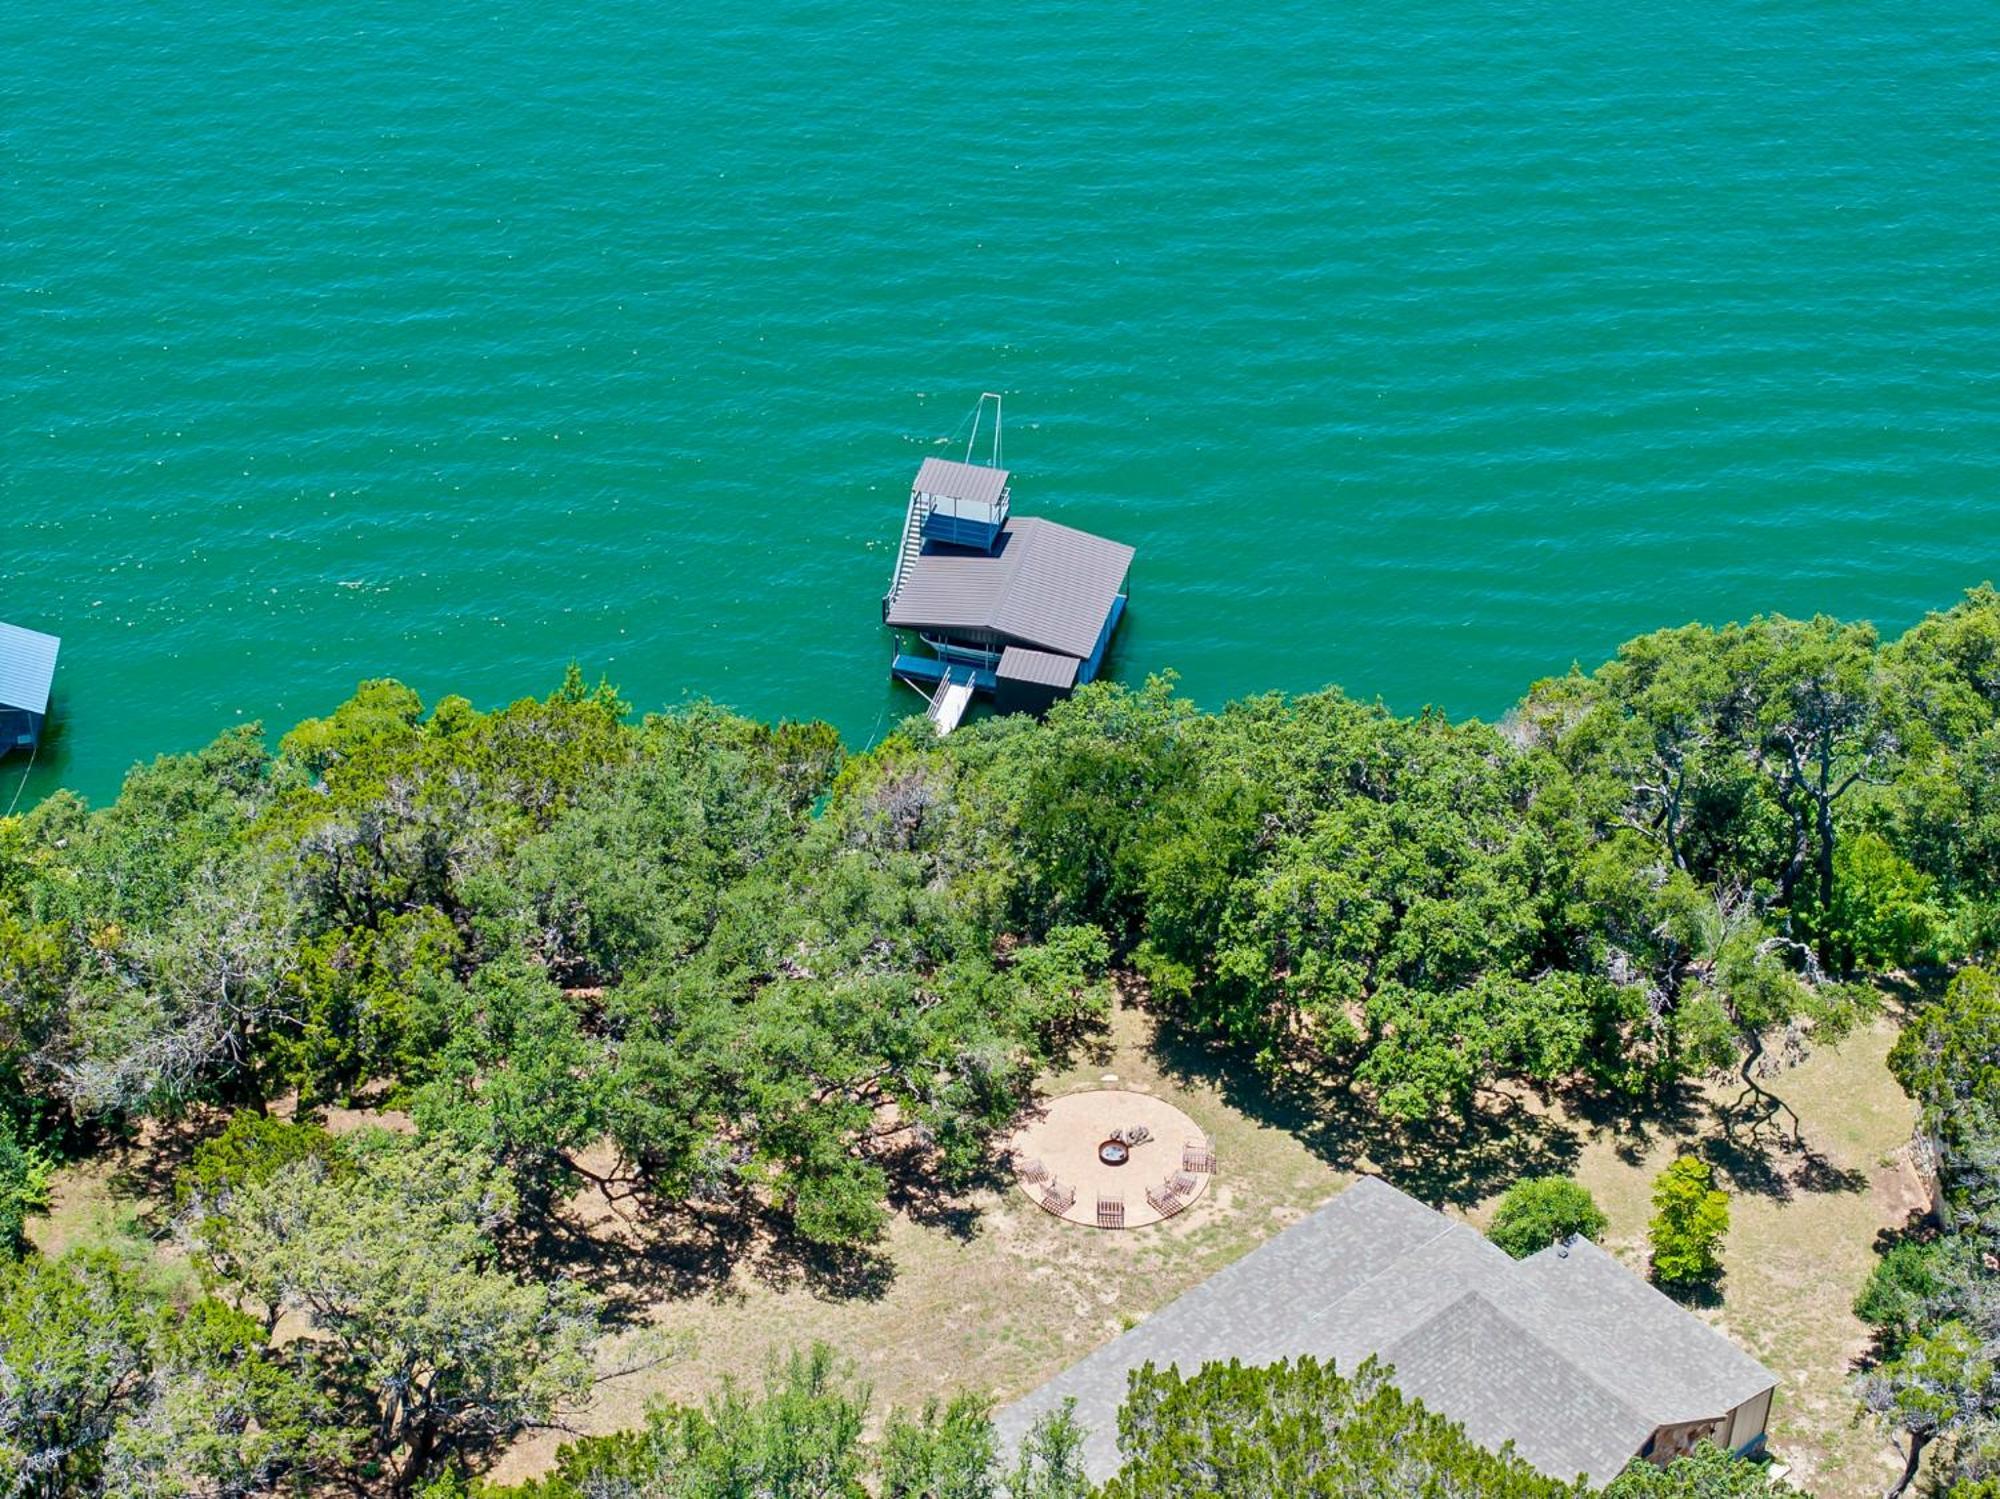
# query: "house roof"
960 481
1481 1366
1566 1354
1662 1357
27 668
1045 586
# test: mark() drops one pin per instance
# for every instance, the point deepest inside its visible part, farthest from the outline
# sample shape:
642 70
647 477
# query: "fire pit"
1107 1147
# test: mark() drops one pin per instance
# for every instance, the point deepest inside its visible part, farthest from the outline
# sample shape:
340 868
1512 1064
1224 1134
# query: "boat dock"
984 601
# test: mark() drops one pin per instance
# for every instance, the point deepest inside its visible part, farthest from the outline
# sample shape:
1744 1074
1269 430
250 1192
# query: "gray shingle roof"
1250 1310
1566 1354
960 481
1492 1375
1667 1361
1045 586
27 668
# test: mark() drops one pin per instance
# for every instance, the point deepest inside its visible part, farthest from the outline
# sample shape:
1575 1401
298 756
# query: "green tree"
24 1186
1816 730
106 1389
1538 1211
1938 1385
1905 1285
74 1348
250 1150
800 1438
1050 1462
1885 912
1708 1472
1300 1428
1690 1220
1948 1060
944 1451
220 1415
172 1013
424 1342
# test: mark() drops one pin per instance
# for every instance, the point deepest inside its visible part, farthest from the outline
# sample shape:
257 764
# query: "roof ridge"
1618 1397
1445 1226
1654 1303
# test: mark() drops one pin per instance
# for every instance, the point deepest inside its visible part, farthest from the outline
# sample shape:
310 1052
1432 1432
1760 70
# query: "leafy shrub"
24 1187
1690 1218
1885 912
1708 1472
1900 1287
1539 1210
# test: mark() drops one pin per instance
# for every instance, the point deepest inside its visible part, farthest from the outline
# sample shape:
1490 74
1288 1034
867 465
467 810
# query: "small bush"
24 1187
1539 1210
1690 1218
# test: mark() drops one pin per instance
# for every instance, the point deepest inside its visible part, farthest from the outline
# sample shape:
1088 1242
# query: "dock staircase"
913 543
952 698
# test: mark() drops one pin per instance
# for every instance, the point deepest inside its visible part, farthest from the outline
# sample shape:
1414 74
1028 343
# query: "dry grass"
103 1203
990 1293
999 1298
1801 1242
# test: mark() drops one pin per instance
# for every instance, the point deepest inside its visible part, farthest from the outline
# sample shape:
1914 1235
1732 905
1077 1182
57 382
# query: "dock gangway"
952 698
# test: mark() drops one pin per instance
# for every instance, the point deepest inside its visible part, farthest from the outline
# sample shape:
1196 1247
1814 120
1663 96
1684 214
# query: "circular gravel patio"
1075 1157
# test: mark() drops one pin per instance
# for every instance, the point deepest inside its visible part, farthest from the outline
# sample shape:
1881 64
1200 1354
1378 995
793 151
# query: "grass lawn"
993 1293
989 1292
1801 1243
1001 1296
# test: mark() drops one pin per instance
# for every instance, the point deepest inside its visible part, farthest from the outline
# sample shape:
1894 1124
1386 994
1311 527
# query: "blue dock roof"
27 668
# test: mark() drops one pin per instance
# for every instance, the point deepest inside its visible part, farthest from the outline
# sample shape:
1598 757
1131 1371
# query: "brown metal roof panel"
1044 668
1062 593
960 481
1047 586
952 589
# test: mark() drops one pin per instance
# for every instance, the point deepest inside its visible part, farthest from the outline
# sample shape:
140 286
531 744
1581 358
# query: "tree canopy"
729 975
1542 1210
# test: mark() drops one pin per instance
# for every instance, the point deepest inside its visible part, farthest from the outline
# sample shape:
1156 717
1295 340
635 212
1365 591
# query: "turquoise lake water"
1422 348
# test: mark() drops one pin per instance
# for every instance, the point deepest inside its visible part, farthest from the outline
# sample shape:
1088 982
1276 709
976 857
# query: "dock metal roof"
960 481
1566 1354
27 668
1045 586
1043 668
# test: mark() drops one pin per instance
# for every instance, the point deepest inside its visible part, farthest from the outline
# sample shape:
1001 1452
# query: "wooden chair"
1196 1156
1032 1171
1165 1201
1110 1212
1181 1184
1057 1198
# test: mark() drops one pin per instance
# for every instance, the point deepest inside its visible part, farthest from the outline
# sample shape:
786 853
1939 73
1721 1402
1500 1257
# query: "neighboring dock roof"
960 481
27 668
1044 585
1566 1354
